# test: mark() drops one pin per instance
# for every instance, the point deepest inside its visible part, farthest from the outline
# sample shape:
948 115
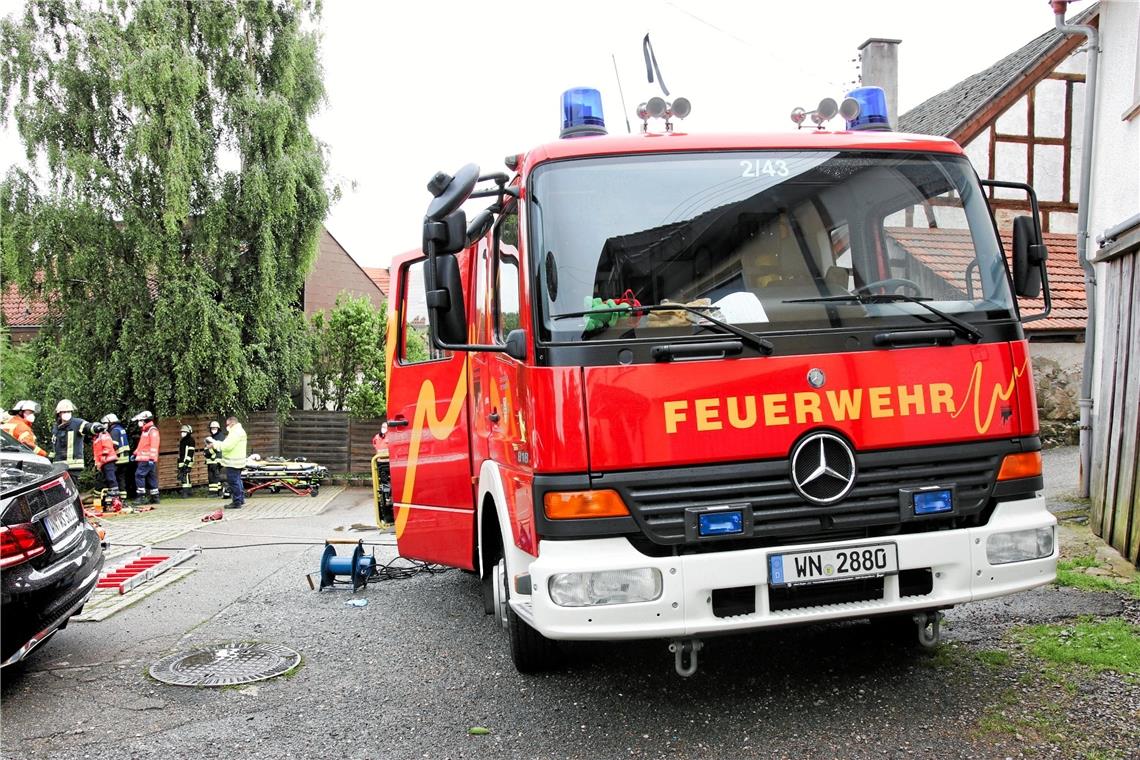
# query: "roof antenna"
651 64
622 94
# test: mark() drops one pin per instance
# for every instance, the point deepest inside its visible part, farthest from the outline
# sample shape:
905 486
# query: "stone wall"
1057 374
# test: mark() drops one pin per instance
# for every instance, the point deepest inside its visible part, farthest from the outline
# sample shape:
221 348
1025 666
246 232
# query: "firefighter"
146 459
214 460
185 460
106 461
19 425
67 436
122 448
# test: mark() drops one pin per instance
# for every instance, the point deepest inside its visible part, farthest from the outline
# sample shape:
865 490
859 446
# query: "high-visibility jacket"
104 449
122 443
18 428
233 449
186 452
147 450
67 442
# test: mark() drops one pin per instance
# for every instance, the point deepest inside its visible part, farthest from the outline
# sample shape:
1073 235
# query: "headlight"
1019 545
606 587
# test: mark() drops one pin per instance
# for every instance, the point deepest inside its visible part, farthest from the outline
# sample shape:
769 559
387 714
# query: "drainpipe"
1085 401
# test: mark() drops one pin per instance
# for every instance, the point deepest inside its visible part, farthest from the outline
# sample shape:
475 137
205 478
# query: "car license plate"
59 520
821 566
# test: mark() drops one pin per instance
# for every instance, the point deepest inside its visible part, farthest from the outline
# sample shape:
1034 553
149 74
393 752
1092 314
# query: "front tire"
530 650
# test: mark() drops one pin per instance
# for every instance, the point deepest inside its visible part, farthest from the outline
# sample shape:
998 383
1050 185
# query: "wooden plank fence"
1115 481
332 439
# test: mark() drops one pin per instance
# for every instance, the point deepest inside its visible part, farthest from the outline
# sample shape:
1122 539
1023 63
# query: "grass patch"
1010 717
1111 644
1069 574
995 658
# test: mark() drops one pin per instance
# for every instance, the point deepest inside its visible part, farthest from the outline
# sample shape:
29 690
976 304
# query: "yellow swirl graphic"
439 427
1001 392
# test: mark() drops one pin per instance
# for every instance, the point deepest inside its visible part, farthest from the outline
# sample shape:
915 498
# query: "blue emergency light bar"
582 112
872 109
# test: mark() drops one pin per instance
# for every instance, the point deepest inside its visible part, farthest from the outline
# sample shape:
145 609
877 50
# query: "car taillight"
19 543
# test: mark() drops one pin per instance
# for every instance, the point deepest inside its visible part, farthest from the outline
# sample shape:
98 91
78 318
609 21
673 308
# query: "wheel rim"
500 587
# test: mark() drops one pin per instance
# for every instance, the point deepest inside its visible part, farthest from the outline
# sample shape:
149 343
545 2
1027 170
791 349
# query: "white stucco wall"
1115 190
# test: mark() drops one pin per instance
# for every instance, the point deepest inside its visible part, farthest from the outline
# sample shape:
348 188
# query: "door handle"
494 416
398 422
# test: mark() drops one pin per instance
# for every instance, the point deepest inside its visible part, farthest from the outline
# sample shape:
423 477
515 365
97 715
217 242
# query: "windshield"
757 239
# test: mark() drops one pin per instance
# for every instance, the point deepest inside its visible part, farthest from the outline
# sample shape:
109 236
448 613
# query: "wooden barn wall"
1115 484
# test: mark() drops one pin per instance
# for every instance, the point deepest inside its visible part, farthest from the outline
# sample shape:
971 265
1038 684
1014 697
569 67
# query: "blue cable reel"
359 567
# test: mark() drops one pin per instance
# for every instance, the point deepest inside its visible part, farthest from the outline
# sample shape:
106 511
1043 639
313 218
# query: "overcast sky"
422 86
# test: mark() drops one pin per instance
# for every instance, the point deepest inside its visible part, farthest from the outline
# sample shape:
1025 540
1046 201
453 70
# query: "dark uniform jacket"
67 442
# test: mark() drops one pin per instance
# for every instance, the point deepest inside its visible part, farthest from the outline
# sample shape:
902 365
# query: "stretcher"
300 476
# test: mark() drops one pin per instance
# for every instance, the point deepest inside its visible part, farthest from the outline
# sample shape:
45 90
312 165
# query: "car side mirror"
1029 255
445 302
448 235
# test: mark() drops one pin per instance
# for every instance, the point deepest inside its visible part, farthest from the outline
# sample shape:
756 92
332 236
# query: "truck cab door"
428 432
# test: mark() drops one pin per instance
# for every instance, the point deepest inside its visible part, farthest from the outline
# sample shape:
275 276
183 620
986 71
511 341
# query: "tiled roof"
946 252
944 113
20 311
380 276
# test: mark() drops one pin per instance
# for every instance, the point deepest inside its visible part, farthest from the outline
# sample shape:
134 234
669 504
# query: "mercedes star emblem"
823 468
816 378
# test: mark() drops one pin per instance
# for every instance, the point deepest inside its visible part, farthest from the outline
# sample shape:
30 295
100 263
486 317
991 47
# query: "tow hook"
929 628
683 649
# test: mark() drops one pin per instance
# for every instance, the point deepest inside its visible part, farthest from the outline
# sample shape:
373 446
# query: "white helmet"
65 405
26 406
109 418
186 430
141 416
214 424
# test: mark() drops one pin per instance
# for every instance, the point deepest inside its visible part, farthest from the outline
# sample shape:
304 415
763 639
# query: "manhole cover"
225 664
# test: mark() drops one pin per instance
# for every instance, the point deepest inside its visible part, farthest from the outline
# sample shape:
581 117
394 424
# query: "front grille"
658 499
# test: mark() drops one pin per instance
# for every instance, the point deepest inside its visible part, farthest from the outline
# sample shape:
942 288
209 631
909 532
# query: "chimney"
880 68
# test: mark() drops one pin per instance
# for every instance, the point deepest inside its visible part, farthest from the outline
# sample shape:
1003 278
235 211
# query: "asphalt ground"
412 672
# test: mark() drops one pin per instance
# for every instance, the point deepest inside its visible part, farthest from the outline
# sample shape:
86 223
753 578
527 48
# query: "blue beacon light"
582 113
872 109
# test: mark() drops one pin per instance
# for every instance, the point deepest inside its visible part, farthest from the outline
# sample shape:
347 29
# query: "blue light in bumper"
933 502
720 523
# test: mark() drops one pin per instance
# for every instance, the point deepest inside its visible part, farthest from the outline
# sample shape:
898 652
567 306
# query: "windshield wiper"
760 344
965 329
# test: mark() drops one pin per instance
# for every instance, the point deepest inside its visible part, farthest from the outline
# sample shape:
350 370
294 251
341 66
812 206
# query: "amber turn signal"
571 505
1026 465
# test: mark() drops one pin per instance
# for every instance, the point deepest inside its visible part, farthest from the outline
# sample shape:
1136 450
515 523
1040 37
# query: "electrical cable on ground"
388 571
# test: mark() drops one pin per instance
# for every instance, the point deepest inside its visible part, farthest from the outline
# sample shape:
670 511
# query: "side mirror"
447 235
445 303
1029 255
516 344
449 193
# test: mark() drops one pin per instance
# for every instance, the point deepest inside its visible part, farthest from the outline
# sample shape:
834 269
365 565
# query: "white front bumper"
957 559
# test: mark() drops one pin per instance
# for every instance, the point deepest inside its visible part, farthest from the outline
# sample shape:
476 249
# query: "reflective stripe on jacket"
18 428
122 443
233 447
147 450
104 449
67 442
186 451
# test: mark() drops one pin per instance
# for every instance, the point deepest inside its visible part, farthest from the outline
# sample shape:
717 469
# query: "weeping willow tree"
174 193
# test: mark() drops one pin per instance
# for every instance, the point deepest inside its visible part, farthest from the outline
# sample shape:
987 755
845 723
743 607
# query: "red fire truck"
673 385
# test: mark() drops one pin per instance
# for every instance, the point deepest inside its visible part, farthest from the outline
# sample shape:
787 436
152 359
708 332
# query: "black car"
50 556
